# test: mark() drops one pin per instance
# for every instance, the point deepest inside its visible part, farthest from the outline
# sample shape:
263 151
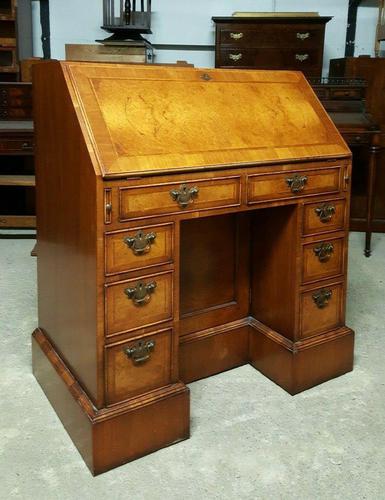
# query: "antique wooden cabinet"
276 42
189 221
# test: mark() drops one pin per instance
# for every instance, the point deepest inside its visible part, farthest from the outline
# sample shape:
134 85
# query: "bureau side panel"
66 228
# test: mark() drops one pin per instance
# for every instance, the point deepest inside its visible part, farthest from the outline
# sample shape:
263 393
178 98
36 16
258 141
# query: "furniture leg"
374 150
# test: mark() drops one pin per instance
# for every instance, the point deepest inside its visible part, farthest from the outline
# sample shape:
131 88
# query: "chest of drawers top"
294 43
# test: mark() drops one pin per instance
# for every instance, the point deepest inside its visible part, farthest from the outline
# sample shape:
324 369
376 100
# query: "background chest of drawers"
179 238
271 43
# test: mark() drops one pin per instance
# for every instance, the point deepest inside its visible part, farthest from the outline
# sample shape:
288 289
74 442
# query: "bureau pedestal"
157 268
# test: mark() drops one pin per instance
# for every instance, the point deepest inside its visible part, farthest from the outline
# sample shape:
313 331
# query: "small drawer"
321 310
139 303
291 184
347 93
20 146
323 259
139 248
184 196
357 139
266 36
324 216
138 366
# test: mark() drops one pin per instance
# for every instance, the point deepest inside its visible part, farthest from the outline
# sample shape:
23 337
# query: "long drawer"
292 184
300 36
300 59
184 196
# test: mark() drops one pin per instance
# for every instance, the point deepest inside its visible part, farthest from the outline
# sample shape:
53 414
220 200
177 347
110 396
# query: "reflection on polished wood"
194 221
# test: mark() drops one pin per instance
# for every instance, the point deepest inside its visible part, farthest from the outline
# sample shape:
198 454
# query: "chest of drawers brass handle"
235 57
185 195
140 243
324 251
303 36
301 57
141 351
322 297
325 212
141 293
236 36
296 183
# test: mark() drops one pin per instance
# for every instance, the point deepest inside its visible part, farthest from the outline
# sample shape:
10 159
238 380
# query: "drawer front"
347 93
20 145
290 59
138 303
139 248
279 35
323 259
324 216
321 310
138 366
184 196
357 139
262 187
16 113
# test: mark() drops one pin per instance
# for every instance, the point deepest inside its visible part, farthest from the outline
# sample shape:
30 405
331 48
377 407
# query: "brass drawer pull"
296 183
140 352
325 212
185 195
236 36
235 57
322 298
324 251
141 293
26 145
301 57
303 36
140 243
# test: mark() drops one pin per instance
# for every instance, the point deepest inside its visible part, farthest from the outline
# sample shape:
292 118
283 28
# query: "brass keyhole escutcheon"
325 212
185 195
140 243
296 183
141 293
322 297
141 351
324 251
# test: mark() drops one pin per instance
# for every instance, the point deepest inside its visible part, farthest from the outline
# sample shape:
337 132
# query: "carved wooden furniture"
17 179
372 70
182 232
344 100
294 43
15 36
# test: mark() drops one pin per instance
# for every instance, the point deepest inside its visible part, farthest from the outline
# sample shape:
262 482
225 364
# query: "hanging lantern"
127 18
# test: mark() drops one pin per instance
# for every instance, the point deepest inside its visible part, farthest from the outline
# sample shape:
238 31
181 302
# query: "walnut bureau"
192 221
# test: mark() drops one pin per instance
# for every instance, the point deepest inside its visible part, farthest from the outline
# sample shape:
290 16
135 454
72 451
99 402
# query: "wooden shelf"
17 180
17 221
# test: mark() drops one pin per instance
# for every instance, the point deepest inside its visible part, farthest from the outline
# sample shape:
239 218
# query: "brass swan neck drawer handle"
325 212
296 183
301 57
235 57
236 36
141 293
140 352
303 36
324 251
140 243
322 297
185 195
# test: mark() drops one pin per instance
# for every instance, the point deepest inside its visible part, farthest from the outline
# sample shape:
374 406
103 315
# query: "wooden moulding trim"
216 330
95 415
224 166
300 345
